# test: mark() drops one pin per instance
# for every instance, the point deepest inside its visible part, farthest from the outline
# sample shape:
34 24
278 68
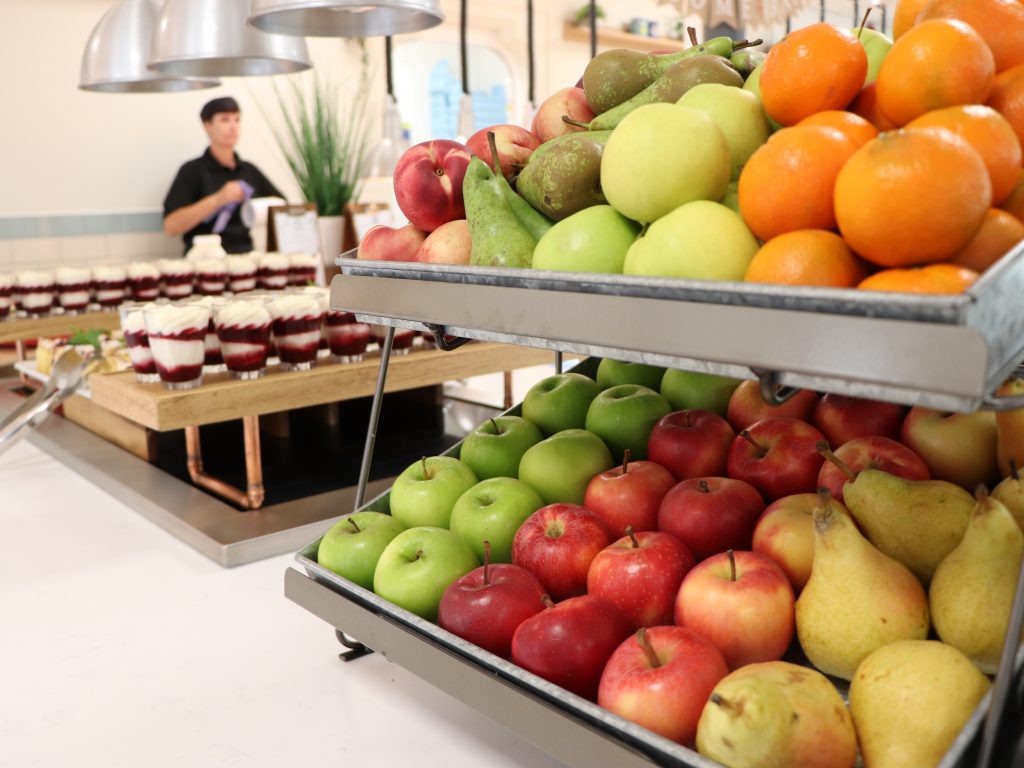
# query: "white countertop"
121 646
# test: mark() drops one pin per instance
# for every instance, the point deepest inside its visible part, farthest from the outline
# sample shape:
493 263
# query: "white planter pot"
330 243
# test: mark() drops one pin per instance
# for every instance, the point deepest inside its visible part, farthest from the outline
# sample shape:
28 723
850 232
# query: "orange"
998 234
813 69
905 16
911 197
1014 204
1008 98
806 257
935 278
999 22
855 127
991 136
787 184
939 63
866 106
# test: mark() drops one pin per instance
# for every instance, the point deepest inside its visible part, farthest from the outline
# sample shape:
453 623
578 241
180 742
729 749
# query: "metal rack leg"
558 362
356 650
371 430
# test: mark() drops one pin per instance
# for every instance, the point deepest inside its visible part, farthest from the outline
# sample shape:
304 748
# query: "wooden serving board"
57 325
222 398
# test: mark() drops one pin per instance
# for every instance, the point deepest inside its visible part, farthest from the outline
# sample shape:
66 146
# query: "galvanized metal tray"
947 352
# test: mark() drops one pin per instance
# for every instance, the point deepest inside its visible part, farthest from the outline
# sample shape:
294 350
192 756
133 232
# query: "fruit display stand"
948 352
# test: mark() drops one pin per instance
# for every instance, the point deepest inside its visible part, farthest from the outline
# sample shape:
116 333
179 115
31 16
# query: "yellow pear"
1010 429
1011 493
972 592
857 598
917 522
909 701
777 715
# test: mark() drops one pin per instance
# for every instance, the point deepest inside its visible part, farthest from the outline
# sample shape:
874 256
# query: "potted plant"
583 14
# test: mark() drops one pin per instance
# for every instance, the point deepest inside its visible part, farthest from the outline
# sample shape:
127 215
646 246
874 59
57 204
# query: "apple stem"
1013 470
419 554
643 642
703 487
732 564
632 537
426 472
721 701
626 455
548 602
693 35
492 143
487 562
577 123
745 434
497 429
686 418
864 20
355 525
826 452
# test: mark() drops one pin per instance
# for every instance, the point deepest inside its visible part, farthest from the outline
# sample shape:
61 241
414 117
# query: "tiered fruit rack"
945 352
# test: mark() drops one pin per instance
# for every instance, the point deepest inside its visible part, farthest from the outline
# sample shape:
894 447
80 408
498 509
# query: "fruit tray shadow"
569 727
946 352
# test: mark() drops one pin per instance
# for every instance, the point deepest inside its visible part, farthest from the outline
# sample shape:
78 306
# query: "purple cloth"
221 217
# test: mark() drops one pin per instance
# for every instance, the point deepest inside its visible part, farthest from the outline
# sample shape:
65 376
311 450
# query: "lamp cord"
463 49
529 52
388 65
593 28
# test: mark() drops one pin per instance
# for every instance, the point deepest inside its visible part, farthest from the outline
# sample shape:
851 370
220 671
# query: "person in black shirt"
197 202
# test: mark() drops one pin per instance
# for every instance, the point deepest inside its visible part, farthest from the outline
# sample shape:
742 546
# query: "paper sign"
296 231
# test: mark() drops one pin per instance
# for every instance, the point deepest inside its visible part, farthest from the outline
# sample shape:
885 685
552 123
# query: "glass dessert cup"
177 337
136 339
346 338
243 329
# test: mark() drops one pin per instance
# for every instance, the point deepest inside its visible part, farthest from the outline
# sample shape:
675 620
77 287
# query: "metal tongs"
67 376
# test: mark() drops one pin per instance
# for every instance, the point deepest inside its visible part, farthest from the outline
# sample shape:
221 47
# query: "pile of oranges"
912 182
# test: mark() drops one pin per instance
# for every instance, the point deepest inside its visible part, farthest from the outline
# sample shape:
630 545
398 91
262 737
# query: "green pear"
701 240
563 175
857 599
917 522
1010 492
753 84
776 715
594 240
910 700
737 113
877 47
731 198
972 591
651 164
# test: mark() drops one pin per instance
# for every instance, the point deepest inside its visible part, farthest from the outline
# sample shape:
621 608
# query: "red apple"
428 183
957 447
747 406
629 495
778 456
842 419
557 543
448 244
743 603
515 145
691 443
870 453
569 643
785 533
488 604
640 574
570 102
711 514
661 678
383 243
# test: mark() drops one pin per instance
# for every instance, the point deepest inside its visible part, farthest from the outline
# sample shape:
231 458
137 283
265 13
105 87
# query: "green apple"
611 373
493 510
592 240
700 240
731 198
560 402
426 491
661 156
737 113
352 546
418 565
495 447
686 390
876 46
753 84
560 467
624 416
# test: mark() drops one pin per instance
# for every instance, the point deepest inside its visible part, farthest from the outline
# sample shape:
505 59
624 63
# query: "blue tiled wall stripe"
17 227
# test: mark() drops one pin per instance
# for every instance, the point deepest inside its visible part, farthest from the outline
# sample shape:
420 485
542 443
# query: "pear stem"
577 123
426 472
355 525
827 454
548 602
1013 470
981 493
864 20
693 35
721 701
645 644
487 562
492 143
740 45
497 429
745 434
824 497
703 487
732 564
626 455
632 537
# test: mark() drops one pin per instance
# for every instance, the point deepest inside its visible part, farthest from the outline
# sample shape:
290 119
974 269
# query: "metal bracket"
444 343
356 650
772 391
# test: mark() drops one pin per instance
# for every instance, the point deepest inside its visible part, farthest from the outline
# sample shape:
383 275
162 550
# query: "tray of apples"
703 578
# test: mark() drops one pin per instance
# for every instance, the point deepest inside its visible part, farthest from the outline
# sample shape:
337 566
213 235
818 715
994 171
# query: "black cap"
223 104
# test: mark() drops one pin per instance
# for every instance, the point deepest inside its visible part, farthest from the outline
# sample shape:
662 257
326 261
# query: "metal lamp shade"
345 18
210 38
116 58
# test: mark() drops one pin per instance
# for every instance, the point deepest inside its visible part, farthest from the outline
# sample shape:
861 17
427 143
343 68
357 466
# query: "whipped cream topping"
207 301
295 305
244 314
175 267
209 265
109 273
34 278
273 261
72 275
6 280
321 294
134 320
241 265
141 269
302 260
170 318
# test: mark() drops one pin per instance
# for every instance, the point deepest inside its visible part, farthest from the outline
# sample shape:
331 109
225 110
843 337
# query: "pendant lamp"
203 38
116 57
345 18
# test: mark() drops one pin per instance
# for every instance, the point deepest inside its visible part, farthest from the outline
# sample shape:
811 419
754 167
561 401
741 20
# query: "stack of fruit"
629 557
839 159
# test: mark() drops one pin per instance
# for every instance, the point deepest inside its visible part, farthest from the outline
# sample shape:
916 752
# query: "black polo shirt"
203 176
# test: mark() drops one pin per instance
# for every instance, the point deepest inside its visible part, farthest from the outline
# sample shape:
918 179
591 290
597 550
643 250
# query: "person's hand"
232 192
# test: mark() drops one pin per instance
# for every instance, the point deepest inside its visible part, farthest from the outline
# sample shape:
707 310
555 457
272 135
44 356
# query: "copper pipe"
508 390
253 461
194 462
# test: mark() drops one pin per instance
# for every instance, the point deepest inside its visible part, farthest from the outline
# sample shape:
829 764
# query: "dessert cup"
297 320
74 288
35 291
176 338
346 338
136 340
6 295
109 284
144 280
176 278
243 329
273 271
241 273
302 268
400 345
211 275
